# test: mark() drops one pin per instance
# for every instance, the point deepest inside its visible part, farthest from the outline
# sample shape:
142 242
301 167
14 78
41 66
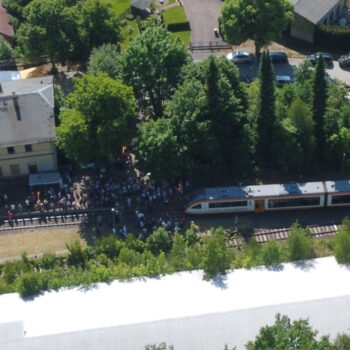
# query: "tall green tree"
319 103
97 119
301 118
261 21
103 59
151 65
97 24
285 334
266 124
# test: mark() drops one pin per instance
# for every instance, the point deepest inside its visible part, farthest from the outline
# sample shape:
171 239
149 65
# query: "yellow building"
27 127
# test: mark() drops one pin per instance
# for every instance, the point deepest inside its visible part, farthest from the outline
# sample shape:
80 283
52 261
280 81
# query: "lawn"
37 241
175 15
120 6
130 32
184 36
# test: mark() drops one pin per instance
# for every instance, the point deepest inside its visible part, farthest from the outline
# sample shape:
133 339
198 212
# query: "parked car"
327 57
278 57
344 61
240 57
283 80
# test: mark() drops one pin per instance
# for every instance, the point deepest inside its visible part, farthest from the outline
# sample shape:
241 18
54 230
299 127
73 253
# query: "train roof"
339 186
290 189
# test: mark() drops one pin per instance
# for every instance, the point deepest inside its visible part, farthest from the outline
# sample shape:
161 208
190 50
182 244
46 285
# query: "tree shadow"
275 267
219 281
305 265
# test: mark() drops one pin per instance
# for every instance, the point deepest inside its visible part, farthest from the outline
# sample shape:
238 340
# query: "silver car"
240 57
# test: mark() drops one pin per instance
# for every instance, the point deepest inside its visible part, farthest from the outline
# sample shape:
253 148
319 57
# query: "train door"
259 205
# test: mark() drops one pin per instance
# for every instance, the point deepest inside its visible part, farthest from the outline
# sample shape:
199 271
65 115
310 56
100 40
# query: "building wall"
302 29
40 157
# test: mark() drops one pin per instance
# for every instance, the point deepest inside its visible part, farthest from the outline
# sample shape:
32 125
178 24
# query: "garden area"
110 258
173 17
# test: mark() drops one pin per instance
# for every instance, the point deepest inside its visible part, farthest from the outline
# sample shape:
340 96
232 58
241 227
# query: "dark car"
344 61
278 57
283 80
327 57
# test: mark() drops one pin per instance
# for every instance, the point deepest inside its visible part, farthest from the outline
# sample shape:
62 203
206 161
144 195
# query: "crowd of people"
136 203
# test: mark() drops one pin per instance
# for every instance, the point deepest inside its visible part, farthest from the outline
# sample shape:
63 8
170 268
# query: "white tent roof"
181 309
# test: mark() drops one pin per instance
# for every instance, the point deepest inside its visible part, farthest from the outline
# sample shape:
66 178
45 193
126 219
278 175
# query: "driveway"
203 17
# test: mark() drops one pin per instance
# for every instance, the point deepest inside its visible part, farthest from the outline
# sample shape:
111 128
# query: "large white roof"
181 309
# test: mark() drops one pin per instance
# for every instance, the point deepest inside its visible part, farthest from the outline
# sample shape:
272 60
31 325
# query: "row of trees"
201 122
111 258
63 30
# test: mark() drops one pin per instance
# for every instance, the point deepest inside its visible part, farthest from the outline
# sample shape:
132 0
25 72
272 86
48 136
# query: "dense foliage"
151 65
261 21
6 51
285 334
66 30
97 119
111 258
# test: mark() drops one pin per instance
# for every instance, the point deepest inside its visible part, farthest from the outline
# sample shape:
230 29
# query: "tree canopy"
66 30
261 21
97 118
291 335
103 59
151 65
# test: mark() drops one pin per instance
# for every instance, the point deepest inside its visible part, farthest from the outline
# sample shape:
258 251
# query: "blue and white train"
260 198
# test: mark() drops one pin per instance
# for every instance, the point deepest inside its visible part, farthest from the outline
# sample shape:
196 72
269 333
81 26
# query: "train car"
338 193
258 198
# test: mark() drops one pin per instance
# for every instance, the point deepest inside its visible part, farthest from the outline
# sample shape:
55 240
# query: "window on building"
28 148
15 170
10 150
32 168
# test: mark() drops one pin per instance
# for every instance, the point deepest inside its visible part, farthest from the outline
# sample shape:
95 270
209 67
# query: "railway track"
281 234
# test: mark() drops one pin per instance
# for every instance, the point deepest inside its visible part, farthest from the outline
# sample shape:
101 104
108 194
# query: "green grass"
119 6
130 32
175 15
185 37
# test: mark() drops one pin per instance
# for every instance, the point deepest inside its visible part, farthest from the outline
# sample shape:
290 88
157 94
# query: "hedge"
333 38
176 20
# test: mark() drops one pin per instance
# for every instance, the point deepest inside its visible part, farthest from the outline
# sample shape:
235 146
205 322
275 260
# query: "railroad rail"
281 234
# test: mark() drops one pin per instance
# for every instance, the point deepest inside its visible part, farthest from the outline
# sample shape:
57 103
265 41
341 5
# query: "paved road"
203 15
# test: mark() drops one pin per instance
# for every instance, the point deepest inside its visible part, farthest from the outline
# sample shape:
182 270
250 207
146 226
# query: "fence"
211 45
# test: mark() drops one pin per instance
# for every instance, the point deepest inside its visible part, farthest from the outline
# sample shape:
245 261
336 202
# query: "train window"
213 205
341 199
293 202
198 206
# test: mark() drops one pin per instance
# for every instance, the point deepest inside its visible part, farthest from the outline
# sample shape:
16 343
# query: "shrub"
191 235
49 261
31 283
9 272
342 243
110 246
300 245
77 256
159 241
271 253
